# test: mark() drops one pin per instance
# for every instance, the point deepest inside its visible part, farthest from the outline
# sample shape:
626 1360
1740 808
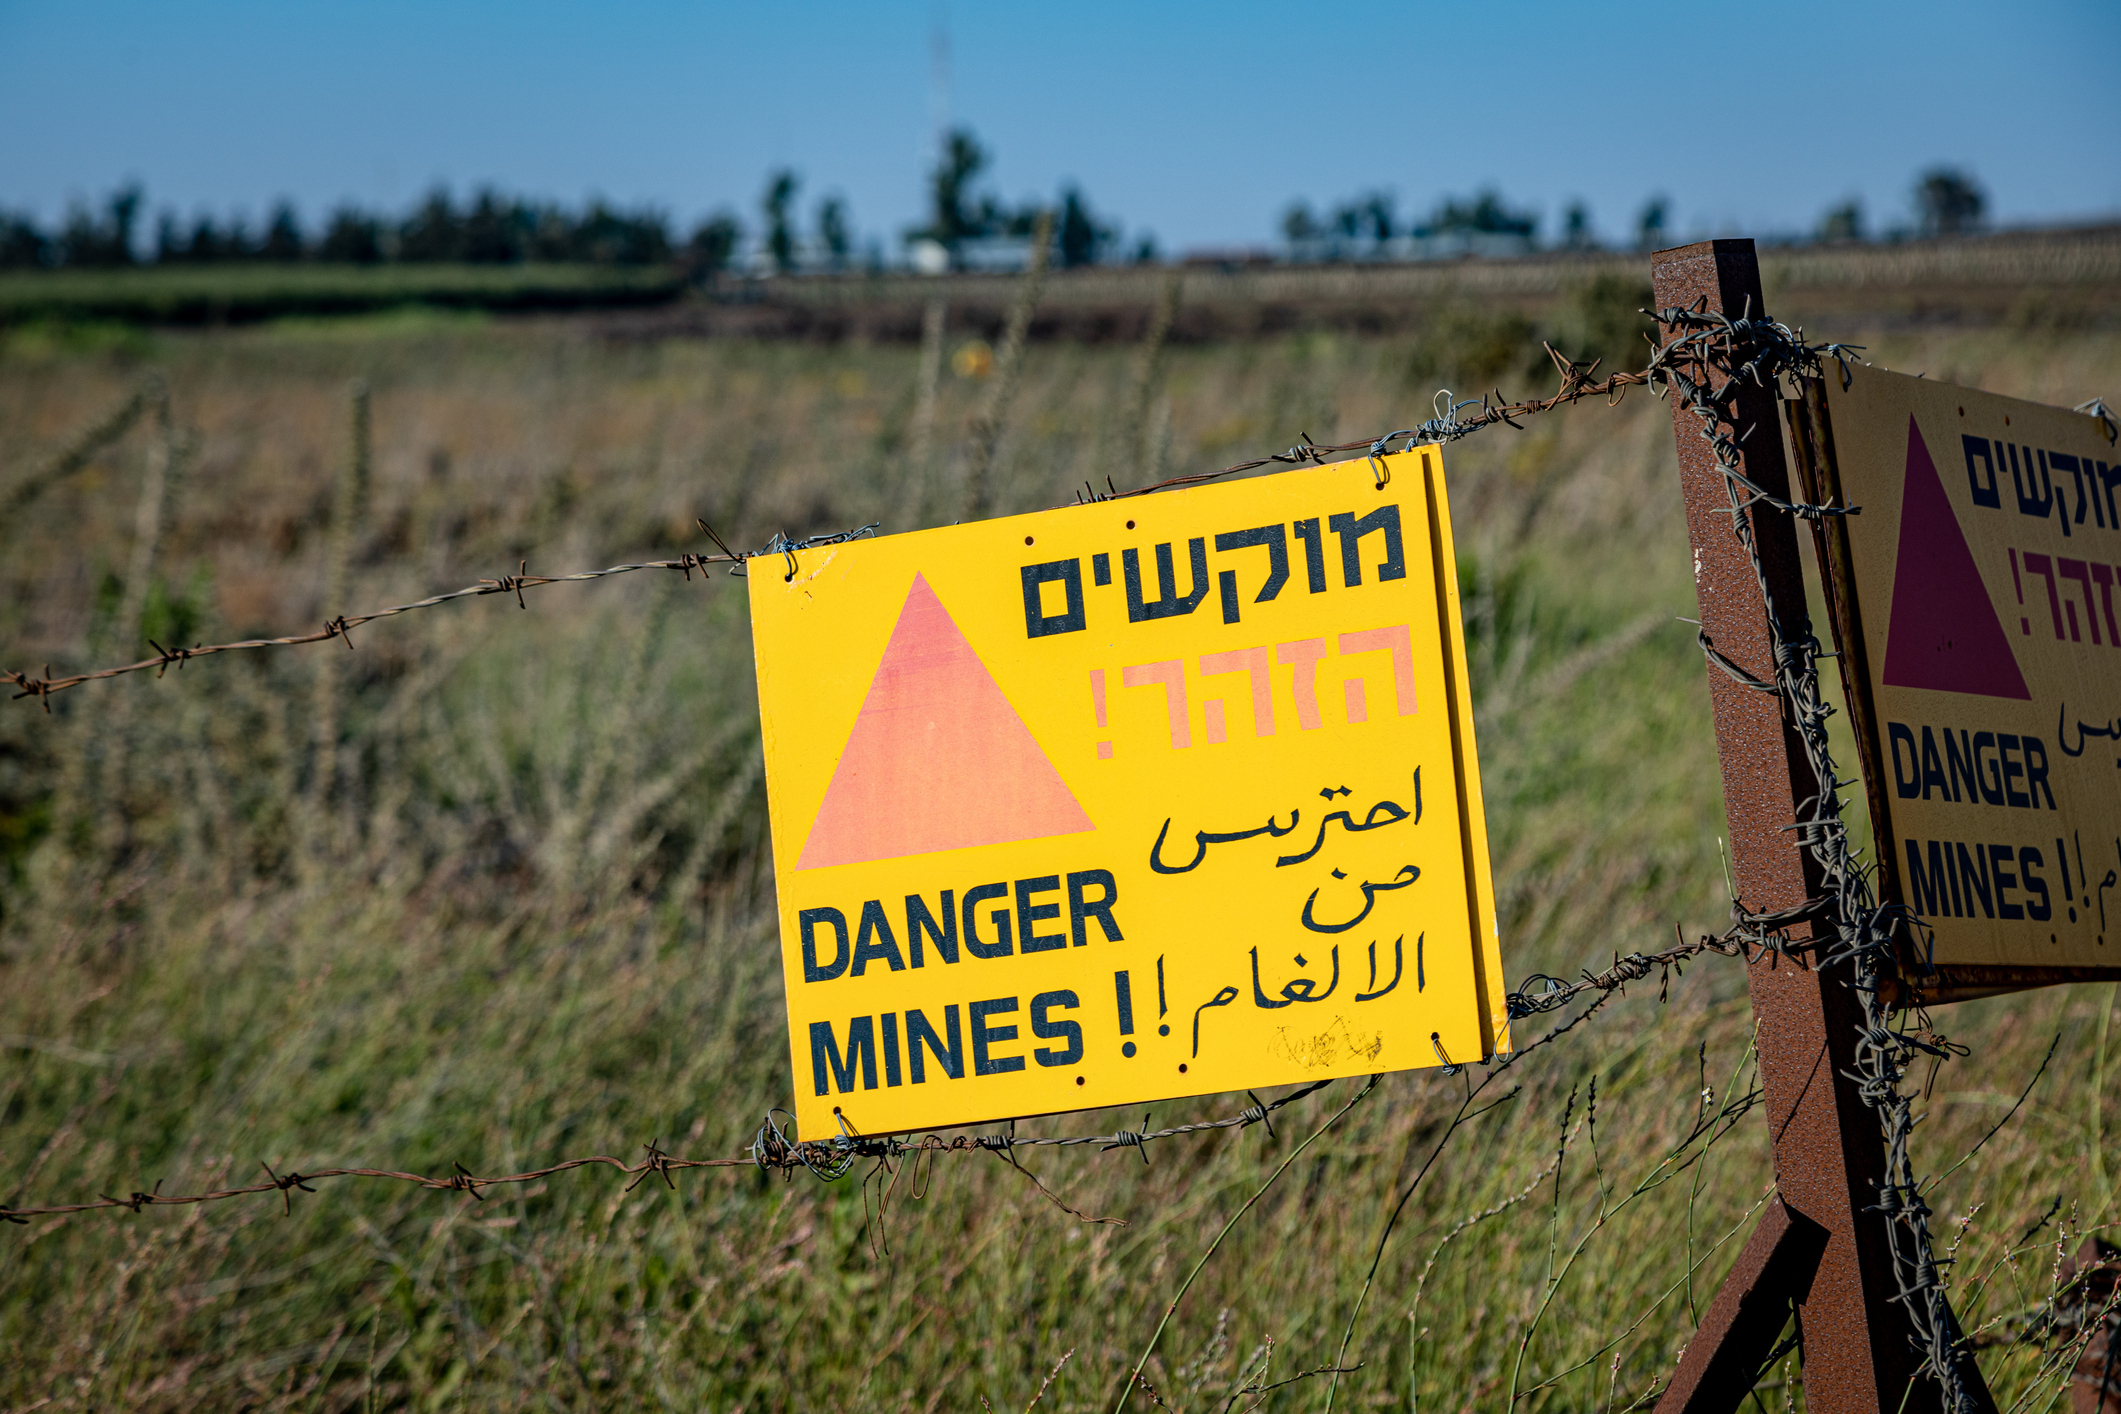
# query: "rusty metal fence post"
1829 1152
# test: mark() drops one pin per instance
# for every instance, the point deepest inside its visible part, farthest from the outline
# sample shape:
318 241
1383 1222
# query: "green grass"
492 889
245 293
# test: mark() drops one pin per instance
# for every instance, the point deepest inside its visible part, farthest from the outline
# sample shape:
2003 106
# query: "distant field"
2068 277
493 888
241 294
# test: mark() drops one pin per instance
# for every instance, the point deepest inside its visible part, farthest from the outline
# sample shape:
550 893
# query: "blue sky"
1197 122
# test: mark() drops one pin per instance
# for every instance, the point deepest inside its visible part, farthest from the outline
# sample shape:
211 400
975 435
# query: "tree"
22 245
124 209
283 235
1485 214
1948 202
950 222
489 234
1083 238
88 241
713 243
433 232
169 239
206 243
1298 225
1378 215
834 231
352 237
609 237
1843 222
1576 228
780 231
1347 221
1649 226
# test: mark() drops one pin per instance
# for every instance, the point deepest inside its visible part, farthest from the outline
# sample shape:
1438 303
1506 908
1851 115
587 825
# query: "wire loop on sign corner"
1450 1067
1379 448
1538 993
774 1149
2096 407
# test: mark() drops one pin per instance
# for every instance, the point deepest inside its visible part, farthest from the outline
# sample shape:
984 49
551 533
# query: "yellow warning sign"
1985 558
1138 799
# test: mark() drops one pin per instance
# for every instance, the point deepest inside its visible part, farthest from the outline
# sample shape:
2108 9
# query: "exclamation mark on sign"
2069 895
2024 624
1097 700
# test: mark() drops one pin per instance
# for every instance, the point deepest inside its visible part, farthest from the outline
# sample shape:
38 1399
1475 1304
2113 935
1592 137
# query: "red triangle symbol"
938 759
1944 633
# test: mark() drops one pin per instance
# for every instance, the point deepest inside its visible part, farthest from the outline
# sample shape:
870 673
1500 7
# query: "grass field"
492 889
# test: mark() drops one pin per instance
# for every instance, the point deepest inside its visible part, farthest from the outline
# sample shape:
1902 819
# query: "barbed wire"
43 687
1858 931
774 1151
1446 427
1577 383
777 1150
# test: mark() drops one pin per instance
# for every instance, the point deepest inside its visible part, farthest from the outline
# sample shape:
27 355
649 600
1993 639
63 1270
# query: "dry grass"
525 913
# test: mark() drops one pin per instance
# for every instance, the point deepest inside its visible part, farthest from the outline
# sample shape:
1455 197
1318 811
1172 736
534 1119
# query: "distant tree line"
491 229
965 228
1368 226
970 228
1946 201
1372 217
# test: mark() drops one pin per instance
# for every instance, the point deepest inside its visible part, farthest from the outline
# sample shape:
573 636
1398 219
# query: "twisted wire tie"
179 656
290 1181
1131 1139
657 1163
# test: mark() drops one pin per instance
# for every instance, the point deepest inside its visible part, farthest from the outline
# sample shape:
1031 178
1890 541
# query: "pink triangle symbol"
938 759
1944 633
